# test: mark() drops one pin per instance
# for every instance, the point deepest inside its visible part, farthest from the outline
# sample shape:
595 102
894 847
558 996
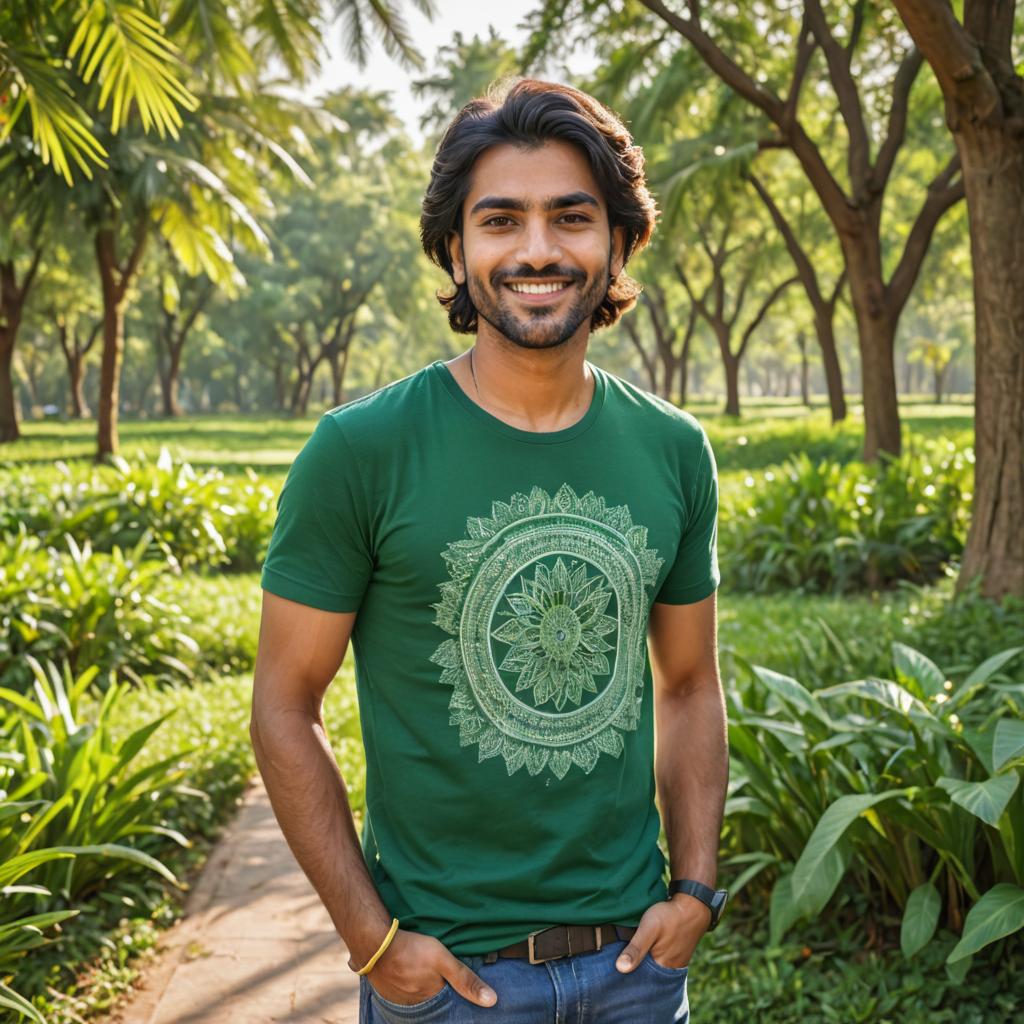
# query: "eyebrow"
555 203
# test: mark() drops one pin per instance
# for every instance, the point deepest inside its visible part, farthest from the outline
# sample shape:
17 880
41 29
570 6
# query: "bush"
75 812
910 786
192 519
833 527
90 608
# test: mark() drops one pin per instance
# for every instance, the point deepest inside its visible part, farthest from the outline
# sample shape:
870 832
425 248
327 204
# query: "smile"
539 293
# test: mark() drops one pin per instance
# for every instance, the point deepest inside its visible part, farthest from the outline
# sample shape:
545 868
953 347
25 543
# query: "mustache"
528 273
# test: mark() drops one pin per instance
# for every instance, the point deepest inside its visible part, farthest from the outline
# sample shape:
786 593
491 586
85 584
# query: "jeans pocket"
405 1010
672 972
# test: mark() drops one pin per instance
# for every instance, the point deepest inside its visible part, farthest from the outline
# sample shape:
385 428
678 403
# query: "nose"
538 245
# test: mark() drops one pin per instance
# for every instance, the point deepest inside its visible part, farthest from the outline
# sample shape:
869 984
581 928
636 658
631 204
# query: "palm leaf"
134 62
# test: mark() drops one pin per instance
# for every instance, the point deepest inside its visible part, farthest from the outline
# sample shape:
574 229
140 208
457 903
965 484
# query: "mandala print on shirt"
547 608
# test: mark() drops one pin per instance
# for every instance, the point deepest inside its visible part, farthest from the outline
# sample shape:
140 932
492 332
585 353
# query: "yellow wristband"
383 946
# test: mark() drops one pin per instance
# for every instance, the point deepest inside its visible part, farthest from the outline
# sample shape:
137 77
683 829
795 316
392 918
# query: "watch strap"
713 899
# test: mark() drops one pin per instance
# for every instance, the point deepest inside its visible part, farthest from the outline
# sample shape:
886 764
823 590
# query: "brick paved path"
255 946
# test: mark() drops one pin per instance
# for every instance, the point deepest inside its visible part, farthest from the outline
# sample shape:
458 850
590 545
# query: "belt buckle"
535 960
529 945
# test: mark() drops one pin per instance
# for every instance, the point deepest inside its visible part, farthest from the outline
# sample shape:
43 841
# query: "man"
501 534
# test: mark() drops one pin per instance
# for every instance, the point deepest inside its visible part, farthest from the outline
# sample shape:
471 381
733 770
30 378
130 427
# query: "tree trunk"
74 356
338 367
805 371
107 441
9 429
830 364
684 369
876 336
731 365
169 382
114 282
12 302
993 164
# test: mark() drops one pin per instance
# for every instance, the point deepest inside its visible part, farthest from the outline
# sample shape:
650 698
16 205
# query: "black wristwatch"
714 899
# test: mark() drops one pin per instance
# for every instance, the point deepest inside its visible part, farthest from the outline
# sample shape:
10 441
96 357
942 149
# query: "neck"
533 389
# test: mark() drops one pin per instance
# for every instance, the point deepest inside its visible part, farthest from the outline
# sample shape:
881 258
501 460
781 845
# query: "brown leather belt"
563 940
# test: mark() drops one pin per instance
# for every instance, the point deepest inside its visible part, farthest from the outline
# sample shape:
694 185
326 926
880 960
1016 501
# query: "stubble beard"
538 328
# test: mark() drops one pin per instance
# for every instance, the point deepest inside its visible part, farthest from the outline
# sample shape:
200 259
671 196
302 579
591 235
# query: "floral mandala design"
552 591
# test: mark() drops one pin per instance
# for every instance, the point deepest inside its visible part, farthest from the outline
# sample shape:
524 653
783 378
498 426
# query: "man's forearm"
692 773
310 801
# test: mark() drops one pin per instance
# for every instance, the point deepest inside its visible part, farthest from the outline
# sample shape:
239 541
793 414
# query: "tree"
867 35
463 70
213 108
736 265
973 60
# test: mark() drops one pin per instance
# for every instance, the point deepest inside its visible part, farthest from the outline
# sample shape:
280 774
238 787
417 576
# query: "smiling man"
522 547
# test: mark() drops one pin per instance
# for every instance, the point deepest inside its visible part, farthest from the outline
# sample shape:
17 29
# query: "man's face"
535 218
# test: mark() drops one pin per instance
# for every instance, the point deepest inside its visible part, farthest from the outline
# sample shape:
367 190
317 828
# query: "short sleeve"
694 574
320 550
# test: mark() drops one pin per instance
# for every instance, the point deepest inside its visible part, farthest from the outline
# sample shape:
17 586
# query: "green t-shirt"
503 580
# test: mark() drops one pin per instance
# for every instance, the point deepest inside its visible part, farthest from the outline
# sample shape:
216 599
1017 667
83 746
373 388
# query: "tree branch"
941 196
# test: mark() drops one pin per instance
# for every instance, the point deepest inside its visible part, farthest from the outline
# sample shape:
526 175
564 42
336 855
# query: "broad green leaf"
1007 742
999 912
838 817
991 665
783 911
920 917
986 800
12 1001
793 693
882 691
918 669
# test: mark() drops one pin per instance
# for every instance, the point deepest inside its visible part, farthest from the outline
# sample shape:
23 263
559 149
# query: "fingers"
634 952
469 984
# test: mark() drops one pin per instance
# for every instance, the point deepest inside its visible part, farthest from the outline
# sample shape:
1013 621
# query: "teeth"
536 289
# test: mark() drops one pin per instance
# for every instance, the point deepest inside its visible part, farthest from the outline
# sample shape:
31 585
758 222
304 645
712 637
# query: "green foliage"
87 607
192 518
900 785
829 527
73 806
829 974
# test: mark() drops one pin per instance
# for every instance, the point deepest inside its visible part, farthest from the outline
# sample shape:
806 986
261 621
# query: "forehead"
535 174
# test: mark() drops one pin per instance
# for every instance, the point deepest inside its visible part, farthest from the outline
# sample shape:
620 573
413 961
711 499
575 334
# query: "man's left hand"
669 931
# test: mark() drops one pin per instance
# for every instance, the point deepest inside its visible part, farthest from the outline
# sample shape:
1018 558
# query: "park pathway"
255 945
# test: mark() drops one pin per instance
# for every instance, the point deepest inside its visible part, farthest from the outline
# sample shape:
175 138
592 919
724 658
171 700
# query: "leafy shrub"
70 801
88 607
910 785
192 519
832 527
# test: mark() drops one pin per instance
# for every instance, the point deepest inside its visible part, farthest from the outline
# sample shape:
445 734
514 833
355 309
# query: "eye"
491 220
582 219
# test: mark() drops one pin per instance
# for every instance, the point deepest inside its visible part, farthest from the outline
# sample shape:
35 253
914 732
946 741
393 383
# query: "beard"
538 326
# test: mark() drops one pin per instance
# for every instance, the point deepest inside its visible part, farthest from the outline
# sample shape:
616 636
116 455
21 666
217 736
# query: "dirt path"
255 945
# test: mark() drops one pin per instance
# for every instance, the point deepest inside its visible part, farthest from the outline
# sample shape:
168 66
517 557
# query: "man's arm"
691 741
300 650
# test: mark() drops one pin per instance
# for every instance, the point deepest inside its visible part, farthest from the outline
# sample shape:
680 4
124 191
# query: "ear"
618 250
456 256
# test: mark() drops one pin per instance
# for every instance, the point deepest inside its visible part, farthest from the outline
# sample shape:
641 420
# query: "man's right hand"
415 967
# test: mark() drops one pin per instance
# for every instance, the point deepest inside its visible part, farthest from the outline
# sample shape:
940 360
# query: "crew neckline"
584 423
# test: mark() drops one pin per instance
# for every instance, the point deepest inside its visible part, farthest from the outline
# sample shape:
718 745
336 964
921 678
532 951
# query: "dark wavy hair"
527 113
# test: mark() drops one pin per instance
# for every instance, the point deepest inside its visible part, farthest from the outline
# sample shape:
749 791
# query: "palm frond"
135 62
207 29
197 245
293 29
394 34
61 129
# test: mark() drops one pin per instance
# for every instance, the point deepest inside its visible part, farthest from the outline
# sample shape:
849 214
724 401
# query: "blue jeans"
583 989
